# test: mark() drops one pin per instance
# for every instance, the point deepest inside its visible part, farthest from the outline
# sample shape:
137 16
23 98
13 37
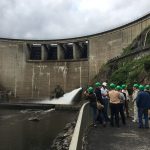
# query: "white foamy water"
66 99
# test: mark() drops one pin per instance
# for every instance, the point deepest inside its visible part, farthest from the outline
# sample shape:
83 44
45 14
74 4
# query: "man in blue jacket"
143 104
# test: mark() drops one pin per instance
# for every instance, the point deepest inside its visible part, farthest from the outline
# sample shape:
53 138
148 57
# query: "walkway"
127 137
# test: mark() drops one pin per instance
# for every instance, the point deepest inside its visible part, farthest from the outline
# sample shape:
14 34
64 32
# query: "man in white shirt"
104 92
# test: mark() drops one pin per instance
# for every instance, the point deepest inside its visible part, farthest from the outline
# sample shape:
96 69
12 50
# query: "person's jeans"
101 117
114 108
106 103
121 110
141 112
127 107
94 113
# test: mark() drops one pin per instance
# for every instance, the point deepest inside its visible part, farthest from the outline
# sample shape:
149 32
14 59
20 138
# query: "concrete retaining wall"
83 122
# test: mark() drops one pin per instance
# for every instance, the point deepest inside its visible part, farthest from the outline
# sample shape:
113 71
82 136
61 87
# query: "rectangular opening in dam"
68 52
35 52
84 51
52 52
83 47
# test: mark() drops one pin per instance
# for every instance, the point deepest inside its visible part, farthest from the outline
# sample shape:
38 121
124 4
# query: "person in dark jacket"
143 104
147 89
91 96
100 116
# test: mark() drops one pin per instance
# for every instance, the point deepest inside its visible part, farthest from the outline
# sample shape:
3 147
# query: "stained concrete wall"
37 79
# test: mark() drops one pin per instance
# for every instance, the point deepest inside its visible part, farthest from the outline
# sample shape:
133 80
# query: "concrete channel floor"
127 137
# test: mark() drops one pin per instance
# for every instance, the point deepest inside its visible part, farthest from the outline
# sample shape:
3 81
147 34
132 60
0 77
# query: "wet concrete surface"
127 137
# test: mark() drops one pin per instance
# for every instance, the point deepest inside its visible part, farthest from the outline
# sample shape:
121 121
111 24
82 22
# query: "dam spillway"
66 102
66 99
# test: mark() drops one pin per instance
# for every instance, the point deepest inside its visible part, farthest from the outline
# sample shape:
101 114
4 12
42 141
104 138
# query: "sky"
60 19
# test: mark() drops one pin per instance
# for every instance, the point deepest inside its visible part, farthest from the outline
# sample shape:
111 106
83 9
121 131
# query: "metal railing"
133 53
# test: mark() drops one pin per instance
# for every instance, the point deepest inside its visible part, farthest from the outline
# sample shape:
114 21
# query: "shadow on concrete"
127 137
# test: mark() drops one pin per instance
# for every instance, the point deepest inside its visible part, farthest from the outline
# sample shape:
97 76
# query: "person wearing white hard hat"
104 84
104 92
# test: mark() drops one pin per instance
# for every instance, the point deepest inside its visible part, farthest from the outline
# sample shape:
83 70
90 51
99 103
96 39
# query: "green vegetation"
127 50
127 72
132 71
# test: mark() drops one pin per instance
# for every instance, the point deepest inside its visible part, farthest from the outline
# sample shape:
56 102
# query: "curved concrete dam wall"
31 69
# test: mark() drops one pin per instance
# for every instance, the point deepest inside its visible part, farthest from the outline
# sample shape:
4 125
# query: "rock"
34 119
68 125
62 141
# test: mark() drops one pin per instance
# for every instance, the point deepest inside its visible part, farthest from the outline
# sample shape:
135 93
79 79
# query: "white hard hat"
104 83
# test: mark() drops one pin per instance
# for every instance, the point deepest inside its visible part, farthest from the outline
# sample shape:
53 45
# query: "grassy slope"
132 71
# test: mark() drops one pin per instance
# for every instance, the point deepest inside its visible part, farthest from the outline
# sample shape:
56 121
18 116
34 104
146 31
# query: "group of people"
117 99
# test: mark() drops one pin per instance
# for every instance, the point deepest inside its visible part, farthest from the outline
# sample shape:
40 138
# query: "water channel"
17 132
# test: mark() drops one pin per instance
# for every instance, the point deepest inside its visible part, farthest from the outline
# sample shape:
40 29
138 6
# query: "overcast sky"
58 19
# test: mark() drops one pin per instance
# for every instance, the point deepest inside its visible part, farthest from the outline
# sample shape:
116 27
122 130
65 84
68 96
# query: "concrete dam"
31 69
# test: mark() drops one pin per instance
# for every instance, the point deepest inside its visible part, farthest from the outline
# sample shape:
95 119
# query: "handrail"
128 55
